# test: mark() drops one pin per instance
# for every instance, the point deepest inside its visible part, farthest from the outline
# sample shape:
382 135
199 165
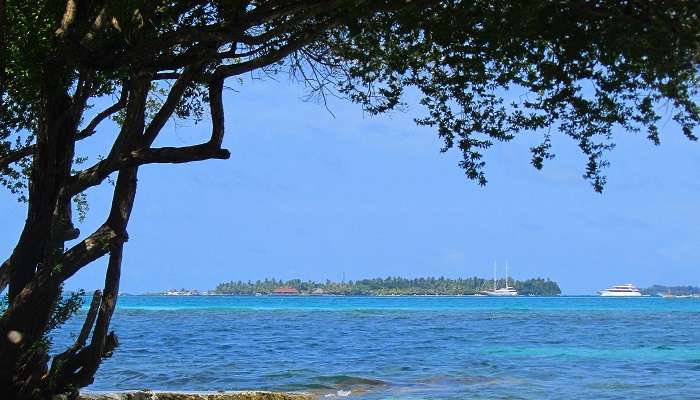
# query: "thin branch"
18 154
173 61
166 75
261 15
89 321
198 34
171 102
267 59
83 90
89 130
291 22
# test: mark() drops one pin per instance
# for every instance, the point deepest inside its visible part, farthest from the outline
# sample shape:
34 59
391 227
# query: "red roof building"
285 291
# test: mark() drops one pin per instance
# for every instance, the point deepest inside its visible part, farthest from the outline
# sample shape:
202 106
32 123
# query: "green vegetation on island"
673 290
390 286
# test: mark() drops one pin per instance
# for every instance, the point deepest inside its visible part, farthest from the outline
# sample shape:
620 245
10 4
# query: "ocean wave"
342 381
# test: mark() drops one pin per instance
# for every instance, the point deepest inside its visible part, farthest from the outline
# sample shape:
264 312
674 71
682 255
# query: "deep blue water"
407 347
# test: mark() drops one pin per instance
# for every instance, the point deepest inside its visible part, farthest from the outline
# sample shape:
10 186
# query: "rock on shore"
153 395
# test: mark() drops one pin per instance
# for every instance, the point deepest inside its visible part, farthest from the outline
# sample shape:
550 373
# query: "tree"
587 67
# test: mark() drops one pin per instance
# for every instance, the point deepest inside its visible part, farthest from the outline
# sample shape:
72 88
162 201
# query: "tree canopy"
485 72
580 68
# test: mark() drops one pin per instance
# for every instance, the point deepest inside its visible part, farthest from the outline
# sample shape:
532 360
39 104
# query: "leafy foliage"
65 308
4 302
81 205
488 71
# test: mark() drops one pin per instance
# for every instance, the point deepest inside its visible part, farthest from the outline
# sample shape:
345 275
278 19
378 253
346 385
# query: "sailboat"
504 291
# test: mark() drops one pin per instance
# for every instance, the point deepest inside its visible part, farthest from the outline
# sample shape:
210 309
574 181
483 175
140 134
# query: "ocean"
406 347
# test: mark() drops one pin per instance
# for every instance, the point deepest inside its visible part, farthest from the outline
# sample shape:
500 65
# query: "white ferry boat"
628 290
504 291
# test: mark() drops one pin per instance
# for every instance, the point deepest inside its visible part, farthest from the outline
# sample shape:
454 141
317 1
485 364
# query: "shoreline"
393 295
192 395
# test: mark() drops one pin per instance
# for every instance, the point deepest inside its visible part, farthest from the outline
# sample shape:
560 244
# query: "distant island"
657 290
177 292
395 286
391 286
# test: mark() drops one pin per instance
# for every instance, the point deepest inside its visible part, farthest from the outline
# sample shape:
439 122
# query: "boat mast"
494 276
506 274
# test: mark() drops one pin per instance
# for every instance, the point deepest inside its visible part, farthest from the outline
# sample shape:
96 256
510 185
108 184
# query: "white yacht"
504 291
628 290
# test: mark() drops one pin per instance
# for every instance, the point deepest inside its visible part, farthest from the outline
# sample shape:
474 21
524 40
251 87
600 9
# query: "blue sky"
311 195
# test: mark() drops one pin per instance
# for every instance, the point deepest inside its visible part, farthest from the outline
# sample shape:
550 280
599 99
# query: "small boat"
628 290
504 291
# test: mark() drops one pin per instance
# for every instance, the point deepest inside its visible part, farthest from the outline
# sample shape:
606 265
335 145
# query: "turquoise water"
407 347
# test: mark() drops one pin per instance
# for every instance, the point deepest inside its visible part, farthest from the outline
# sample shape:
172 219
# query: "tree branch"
88 359
166 75
175 155
272 11
216 107
64 365
171 102
100 345
89 130
16 155
89 321
163 155
267 59
110 234
144 155
198 34
88 250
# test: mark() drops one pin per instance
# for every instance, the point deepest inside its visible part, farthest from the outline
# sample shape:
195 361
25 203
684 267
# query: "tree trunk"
23 359
39 265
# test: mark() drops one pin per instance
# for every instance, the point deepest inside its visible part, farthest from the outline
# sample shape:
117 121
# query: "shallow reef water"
406 347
